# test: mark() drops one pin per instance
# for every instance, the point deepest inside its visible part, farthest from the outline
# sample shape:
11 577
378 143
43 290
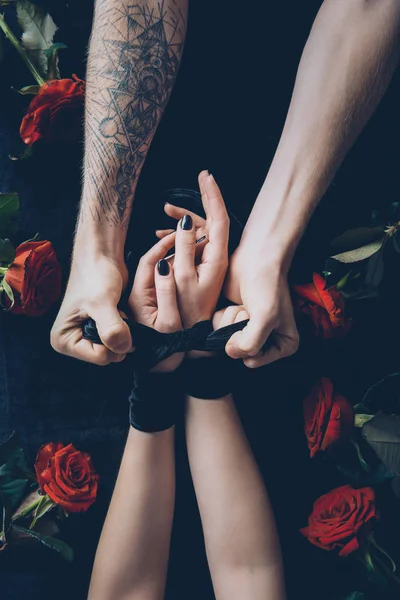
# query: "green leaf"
7 252
360 419
355 238
53 71
38 32
28 505
47 526
29 89
359 254
347 461
6 288
45 504
54 544
383 396
335 271
341 284
382 433
9 207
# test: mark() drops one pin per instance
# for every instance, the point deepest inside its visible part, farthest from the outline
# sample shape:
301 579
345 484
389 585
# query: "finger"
176 212
217 220
242 315
202 179
283 347
168 318
144 277
112 330
162 233
71 343
185 250
229 315
248 342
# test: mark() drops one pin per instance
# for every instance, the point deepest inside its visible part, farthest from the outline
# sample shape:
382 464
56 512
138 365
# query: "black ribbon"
152 346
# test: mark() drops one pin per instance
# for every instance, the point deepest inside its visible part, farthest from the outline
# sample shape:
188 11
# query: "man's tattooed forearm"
133 62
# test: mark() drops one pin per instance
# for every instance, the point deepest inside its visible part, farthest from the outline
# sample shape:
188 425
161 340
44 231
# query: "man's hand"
94 290
263 290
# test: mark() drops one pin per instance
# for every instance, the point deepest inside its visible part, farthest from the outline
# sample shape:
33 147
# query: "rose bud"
55 114
67 476
35 278
338 516
325 308
328 417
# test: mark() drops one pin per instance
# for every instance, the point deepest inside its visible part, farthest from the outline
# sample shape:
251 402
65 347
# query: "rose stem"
11 37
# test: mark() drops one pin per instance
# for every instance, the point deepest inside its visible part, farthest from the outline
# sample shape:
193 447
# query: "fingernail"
201 239
163 267
187 223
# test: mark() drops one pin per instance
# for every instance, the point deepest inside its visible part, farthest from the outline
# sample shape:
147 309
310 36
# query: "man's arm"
134 56
347 64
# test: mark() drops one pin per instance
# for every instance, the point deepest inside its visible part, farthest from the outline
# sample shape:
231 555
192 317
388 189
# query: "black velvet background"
226 115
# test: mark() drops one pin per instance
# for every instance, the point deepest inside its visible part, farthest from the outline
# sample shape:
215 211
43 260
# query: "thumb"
113 331
249 341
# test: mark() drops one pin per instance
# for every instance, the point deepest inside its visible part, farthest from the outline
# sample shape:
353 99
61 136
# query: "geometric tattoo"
131 75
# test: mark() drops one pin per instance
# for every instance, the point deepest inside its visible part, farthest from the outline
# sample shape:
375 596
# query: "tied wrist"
154 401
208 377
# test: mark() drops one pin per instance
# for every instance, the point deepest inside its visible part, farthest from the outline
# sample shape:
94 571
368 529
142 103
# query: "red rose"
338 516
328 417
35 278
67 476
55 114
325 307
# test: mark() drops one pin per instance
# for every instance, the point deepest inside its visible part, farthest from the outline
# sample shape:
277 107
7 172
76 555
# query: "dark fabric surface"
226 115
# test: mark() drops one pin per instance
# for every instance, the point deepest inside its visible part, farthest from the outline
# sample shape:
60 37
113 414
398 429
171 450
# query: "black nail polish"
163 267
187 223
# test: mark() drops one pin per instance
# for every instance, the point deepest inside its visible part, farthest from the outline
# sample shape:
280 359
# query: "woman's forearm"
132 556
239 528
134 56
346 66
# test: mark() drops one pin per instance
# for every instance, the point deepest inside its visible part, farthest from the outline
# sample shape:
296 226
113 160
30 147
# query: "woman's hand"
199 280
153 300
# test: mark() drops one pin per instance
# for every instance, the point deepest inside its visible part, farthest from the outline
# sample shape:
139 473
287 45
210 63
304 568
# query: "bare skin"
347 64
134 56
242 546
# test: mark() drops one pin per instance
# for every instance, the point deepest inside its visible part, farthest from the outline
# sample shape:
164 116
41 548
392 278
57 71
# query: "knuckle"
183 277
169 325
111 334
102 360
249 349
